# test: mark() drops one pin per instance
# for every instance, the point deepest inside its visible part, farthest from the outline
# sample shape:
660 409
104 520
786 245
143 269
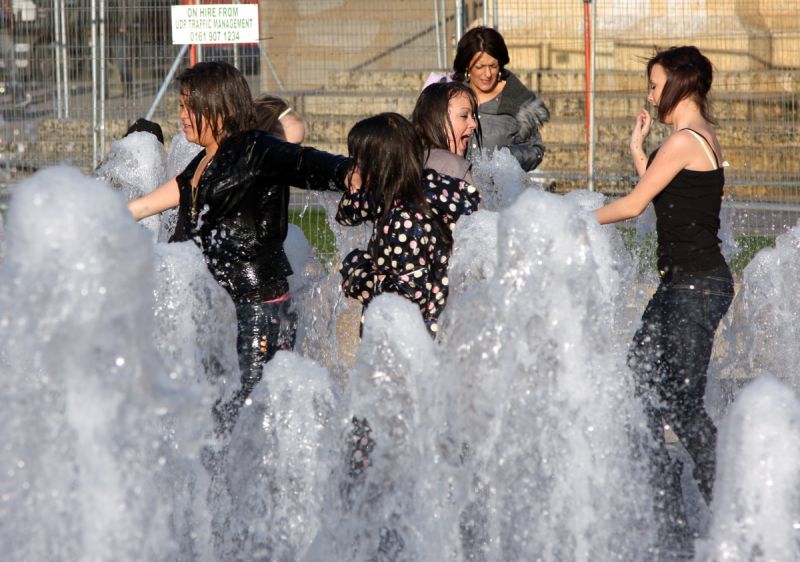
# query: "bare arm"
157 201
672 157
640 131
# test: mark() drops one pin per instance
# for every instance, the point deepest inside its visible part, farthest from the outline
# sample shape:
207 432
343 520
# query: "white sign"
215 23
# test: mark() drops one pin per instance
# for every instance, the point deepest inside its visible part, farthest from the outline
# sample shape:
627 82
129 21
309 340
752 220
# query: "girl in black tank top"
671 351
687 217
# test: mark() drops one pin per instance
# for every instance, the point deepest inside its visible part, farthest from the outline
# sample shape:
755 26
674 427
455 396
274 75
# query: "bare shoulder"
680 145
682 139
696 148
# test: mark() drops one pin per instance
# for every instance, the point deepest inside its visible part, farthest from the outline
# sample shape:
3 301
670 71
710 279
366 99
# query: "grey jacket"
513 119
449 164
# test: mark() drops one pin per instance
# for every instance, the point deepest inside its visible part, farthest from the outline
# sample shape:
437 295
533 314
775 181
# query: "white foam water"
756 502
516 435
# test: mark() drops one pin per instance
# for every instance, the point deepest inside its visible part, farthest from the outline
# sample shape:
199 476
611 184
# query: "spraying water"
99 440
514 436
757 496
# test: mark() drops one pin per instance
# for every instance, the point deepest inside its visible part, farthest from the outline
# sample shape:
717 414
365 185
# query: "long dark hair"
390 159
431 118
217 93
689 75
479 40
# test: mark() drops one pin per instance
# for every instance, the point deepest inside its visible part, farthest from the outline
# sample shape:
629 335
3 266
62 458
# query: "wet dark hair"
431 118
479 40
218 93
390 158
689 75
267 114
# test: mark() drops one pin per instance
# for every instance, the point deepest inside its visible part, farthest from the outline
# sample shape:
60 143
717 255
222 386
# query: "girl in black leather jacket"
233 202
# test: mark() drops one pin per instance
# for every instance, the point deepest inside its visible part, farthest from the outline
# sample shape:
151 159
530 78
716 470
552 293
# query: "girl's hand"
641 129
354 181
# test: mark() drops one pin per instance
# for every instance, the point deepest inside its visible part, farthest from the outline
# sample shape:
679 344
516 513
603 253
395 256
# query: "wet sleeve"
396 264
354 208
359 276
305 167
451 198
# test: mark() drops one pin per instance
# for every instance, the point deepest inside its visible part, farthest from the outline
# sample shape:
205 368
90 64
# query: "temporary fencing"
75 73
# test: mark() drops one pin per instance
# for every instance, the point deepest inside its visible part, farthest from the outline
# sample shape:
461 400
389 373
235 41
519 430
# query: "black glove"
142 125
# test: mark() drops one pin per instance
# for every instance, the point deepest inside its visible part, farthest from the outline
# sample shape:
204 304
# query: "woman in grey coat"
510 114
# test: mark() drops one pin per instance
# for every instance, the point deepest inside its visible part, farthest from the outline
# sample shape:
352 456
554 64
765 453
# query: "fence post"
167 80
437 36
459 19
102 70
236 48
443 11
93 7
588 47
57 43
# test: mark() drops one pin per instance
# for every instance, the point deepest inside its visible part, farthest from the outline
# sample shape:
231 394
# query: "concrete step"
328 129
744 161
779 108
731 134
770 166
753 135
371 80
555 81
350 104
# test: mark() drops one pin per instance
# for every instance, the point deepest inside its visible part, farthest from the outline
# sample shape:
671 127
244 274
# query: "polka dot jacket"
406 254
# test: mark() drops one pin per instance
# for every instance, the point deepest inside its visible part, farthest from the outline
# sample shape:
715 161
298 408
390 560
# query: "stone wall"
308 41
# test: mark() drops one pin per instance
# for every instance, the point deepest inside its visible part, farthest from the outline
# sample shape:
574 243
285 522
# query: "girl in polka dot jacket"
414 211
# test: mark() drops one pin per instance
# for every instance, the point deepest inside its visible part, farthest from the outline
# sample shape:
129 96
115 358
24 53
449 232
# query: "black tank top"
687 219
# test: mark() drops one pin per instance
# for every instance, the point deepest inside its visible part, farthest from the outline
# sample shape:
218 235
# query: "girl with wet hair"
684 179
413 210
233 201
216 95
444 117
510 114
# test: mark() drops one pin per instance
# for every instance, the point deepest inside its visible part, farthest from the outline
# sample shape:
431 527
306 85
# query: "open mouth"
464 143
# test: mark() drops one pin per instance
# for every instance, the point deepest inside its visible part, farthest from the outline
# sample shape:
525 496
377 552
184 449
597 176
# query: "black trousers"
264 328
670 355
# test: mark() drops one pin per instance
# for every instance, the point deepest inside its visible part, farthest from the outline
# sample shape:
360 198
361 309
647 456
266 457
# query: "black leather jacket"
242 204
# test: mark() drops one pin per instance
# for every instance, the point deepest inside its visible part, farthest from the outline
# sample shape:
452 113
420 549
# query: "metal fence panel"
75 73
754 45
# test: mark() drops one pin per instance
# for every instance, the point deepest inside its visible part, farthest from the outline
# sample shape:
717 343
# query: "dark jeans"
670 355
264 328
